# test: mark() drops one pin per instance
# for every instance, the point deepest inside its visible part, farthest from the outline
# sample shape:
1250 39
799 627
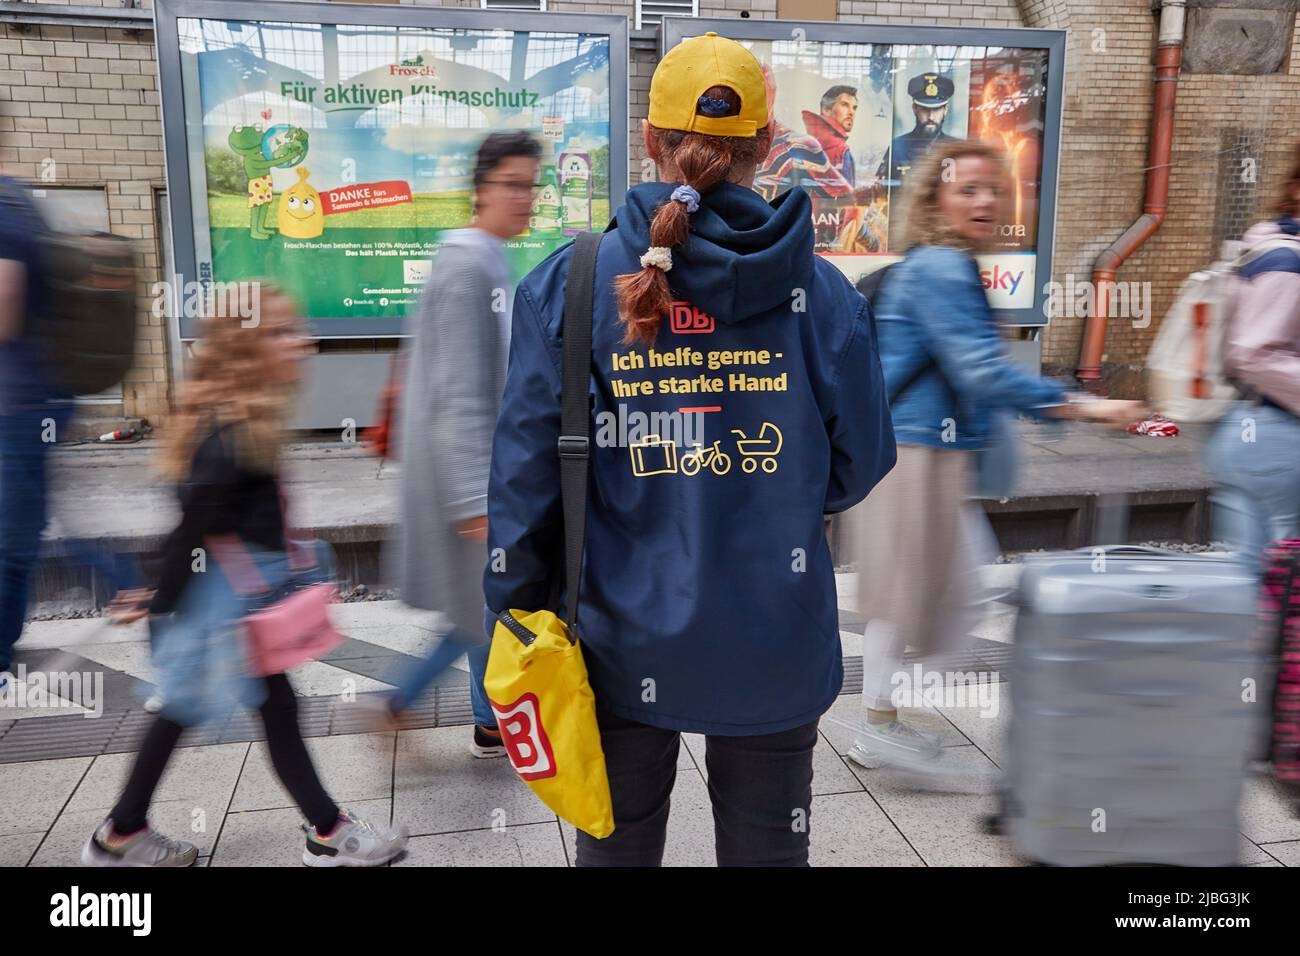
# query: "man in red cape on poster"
797 160
832 126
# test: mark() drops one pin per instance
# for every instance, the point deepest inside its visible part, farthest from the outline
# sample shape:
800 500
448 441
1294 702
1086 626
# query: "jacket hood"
743 257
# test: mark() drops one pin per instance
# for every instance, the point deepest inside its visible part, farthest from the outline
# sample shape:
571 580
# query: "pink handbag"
291 631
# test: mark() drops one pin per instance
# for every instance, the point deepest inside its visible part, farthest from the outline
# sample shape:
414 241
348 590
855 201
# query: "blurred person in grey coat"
455 373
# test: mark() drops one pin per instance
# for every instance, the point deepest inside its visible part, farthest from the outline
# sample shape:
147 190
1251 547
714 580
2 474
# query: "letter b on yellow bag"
537 682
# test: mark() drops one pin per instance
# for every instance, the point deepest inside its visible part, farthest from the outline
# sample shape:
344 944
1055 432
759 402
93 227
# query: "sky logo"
999 279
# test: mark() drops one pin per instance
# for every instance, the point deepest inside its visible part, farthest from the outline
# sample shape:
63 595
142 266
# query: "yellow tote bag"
536 678
537 683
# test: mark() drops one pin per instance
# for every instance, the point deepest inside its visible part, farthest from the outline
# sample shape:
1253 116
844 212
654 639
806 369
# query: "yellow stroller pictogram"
765 446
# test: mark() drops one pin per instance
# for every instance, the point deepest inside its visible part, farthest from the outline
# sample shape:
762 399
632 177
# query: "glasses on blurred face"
514 187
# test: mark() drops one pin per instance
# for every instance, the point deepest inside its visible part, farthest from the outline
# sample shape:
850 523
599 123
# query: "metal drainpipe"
1169 57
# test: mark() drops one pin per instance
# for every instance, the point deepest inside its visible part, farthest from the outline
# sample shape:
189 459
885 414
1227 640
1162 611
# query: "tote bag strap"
575 413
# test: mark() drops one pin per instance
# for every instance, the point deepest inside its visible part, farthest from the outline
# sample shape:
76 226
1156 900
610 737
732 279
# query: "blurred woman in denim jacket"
948 378
1254 453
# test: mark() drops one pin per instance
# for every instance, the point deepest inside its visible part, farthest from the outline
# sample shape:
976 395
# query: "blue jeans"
425 671
200 655
1254 457
24 480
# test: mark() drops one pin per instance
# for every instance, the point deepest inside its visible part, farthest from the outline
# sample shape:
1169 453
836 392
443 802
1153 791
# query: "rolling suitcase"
1133 708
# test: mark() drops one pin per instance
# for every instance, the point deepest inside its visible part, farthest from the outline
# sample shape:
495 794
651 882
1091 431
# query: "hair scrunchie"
688 196
658 257
714 106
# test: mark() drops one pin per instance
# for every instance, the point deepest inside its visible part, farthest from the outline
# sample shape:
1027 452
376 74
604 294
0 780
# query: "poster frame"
172 106
675 29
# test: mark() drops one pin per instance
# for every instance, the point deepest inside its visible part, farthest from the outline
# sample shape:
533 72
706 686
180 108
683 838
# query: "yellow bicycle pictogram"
765 448
712 457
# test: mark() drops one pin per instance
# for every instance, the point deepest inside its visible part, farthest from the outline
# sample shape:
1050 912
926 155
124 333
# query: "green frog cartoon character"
281 145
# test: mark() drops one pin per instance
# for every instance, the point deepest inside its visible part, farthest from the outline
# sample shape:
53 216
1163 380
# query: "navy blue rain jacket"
708 592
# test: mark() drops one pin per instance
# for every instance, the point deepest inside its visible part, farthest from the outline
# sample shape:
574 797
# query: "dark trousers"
760 788
26 436
289 756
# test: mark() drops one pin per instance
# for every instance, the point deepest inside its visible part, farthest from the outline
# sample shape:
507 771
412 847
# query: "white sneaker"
154 703
354 842
894 744
146 848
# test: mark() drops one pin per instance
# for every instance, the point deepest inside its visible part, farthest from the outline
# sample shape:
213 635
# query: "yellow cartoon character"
301 216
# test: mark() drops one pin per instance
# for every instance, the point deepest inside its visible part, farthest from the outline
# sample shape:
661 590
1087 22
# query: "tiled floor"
221 794
462 811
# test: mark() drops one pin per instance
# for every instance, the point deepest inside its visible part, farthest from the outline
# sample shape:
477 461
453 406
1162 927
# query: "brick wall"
86 99
972 13
1104 154
79 108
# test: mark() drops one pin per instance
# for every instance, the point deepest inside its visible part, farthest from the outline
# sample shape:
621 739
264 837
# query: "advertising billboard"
856 107
328 147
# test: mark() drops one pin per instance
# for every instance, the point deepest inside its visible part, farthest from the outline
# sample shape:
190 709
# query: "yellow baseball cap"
694 65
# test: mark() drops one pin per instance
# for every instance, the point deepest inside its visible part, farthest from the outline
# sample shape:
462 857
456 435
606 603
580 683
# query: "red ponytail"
702 162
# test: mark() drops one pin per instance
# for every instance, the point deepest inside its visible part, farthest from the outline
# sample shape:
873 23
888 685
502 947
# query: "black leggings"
288 755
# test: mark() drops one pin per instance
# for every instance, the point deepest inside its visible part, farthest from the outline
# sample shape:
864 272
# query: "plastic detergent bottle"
575 190
548 208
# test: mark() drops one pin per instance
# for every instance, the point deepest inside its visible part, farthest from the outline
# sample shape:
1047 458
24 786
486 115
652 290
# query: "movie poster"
1007 105
832 106
854 119
931 93
334 156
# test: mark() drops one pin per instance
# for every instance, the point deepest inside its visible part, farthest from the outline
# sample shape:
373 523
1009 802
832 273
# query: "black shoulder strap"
575 414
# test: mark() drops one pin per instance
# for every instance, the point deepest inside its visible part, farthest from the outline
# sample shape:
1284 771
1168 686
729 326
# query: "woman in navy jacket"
708 592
